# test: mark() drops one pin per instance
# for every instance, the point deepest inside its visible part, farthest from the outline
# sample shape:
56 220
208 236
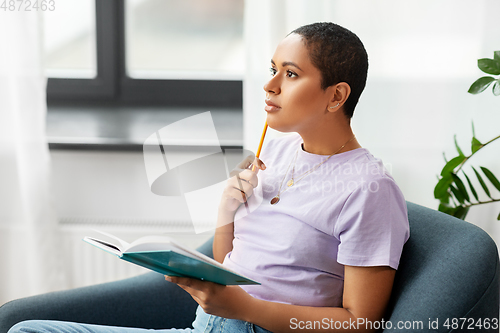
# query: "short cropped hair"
340 57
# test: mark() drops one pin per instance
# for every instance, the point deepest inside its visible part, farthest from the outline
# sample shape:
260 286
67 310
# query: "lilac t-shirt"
348 211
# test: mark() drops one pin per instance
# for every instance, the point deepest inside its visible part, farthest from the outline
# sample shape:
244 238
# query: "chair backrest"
449 270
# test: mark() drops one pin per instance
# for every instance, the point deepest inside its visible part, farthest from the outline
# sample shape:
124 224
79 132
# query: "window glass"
188 39
70 40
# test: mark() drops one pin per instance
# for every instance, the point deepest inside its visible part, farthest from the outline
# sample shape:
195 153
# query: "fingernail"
168 278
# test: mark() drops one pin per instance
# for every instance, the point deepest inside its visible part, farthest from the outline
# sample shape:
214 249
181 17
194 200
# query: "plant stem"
480 203
480 147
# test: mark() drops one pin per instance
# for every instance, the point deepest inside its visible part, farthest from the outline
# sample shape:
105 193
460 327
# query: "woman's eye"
289 73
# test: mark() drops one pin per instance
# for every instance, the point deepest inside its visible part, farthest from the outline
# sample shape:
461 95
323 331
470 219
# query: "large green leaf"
458 211
481 181
496 88
458 195
458 148
491 177
451 165
441 189
498 218
489 66
472 189
446 208
475 145
480 84
460 186
461 212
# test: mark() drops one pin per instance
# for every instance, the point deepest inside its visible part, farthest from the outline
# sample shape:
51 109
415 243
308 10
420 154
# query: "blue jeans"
202 323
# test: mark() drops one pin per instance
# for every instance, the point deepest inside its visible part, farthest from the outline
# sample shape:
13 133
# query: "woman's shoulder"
363 161
361 169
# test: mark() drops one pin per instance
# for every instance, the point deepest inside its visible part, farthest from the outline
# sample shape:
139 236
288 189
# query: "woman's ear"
339 92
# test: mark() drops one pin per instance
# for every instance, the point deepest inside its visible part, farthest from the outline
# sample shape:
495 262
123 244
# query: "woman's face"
294 98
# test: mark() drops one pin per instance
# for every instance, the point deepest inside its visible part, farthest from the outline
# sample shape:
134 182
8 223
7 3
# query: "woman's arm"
223 238
237 191
366 294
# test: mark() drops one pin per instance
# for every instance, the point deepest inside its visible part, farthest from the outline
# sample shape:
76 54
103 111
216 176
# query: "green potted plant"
454 189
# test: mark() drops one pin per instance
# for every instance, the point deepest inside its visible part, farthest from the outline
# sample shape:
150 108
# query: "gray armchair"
449 269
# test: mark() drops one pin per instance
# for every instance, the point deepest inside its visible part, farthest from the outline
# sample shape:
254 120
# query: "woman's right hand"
241 184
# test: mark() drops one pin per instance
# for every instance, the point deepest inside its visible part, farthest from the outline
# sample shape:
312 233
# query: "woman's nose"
272 86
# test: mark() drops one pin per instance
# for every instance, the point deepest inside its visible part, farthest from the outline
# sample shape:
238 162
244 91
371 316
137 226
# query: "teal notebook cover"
175 264
169 262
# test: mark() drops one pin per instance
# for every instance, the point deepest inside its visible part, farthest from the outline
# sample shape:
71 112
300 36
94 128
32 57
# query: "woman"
327 223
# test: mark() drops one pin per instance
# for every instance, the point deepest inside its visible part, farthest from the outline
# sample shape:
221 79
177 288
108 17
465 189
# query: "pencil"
253 166
260 143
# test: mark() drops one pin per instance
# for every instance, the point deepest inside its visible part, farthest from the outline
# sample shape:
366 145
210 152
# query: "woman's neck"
327 140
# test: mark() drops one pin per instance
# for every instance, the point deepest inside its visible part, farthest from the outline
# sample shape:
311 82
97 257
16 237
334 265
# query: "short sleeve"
373 225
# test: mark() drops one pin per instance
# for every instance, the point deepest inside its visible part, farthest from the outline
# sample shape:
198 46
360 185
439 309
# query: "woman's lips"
270 107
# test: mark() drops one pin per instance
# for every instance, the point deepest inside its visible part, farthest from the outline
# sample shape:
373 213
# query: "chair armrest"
146 301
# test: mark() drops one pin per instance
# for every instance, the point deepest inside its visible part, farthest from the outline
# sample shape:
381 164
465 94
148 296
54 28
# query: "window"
70 52
184 39
147 52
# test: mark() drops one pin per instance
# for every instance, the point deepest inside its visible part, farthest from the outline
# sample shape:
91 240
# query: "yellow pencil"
253 166
260 143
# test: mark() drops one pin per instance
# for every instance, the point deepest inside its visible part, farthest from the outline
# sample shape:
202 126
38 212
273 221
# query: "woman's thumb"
257 163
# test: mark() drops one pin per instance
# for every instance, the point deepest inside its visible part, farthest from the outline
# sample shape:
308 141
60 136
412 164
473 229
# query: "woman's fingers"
249 177
186 282
246 181
242 182
240 195
247 161
257 162
243 165
195 287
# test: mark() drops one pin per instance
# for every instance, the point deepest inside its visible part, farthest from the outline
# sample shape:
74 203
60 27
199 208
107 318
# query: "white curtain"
29 246
423 58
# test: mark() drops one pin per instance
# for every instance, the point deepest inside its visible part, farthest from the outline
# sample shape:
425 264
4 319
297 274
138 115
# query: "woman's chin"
276 125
